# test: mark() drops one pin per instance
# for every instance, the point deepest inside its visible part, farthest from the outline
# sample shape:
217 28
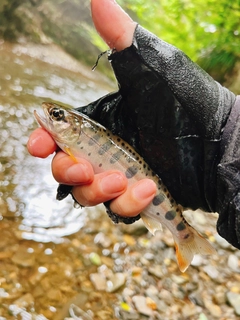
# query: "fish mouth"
43 119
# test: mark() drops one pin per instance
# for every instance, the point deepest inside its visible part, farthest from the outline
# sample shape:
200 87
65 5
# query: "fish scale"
79 136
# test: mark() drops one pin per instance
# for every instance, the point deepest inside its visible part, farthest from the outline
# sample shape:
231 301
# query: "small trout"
79 136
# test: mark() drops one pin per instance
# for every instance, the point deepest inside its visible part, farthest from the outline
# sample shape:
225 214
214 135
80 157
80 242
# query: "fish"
79 136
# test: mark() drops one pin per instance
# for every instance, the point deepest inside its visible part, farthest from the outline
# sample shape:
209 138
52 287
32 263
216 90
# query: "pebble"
142 306
115 282
197 260
233 263
214 309
234 300
222 242
188 310
99 281
25 301
23 258
211 271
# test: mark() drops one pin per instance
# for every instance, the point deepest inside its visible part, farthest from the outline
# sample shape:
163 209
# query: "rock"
156 271
115 282
214 309
180 279
222 242
99 281
23 258
166 296
54 294
233 263
25 301
188 310
211 271
220 295
95 259
197 260
140 303
234 300
103 240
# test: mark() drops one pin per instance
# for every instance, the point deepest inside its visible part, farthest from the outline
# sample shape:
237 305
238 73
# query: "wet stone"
212 272
234 300
140 303
99 281
115 282
233 263
25 301
23 258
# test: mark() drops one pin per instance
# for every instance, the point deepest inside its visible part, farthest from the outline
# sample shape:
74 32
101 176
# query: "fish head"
63 124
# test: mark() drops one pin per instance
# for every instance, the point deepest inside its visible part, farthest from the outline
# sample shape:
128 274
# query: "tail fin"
186 250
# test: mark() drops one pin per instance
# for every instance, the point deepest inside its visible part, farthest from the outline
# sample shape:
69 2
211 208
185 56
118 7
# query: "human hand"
88 188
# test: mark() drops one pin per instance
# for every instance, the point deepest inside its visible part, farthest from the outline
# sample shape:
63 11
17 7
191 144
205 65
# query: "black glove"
173 113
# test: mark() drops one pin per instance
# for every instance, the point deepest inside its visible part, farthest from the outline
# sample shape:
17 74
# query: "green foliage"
208 31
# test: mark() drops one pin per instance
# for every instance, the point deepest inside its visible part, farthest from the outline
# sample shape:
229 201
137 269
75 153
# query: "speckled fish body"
79 136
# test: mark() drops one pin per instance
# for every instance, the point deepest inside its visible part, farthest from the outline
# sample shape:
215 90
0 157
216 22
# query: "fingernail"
113 183
144 190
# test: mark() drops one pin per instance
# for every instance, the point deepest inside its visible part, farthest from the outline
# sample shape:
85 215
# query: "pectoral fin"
68 151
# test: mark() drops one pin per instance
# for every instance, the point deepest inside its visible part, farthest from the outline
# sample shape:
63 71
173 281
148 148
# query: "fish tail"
185 250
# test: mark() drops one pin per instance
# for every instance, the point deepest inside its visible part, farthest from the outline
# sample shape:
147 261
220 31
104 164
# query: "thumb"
112 23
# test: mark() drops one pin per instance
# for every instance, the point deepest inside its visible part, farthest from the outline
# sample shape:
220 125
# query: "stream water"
27 187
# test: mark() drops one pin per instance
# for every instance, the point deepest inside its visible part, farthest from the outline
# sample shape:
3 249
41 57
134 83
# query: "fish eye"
57 113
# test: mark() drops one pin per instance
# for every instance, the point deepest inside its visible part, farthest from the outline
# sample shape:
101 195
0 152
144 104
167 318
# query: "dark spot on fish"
116 156
181 226
157 213
94 139
158 199
131 171
79 142
118 139
89 154
186 236
170 215
100 164
104 148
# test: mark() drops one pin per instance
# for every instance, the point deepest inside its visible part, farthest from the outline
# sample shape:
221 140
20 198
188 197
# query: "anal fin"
151 224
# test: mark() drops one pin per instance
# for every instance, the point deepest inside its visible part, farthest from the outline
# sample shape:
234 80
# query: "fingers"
67 171
137 197
127 202
113 24
41 144
104 187
90 189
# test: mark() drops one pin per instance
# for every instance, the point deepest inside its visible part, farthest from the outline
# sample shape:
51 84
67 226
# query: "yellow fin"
186 250
151 224
68 151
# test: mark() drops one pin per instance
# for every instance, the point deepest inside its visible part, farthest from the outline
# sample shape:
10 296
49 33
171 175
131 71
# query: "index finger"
41 144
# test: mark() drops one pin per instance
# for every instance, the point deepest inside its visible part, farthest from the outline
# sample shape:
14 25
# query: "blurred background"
58 262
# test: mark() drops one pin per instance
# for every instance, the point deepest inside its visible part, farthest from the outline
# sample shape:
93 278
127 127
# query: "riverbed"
58 262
